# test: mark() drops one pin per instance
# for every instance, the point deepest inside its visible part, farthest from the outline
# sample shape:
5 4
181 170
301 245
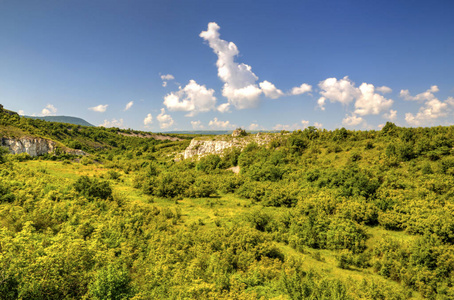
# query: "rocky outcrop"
32 146
202 147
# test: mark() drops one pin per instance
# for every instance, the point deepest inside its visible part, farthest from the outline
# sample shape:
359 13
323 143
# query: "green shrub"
111 283
93 188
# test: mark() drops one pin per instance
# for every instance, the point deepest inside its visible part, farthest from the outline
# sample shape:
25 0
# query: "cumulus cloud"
21 112
352 120
450 101
193 98
296 126
217 124
148 120
432 108
113 123
129 105
342 90
49 110
321 103
426 96
367 101
165 121
240 83
197 125
166 78
384 89
391 115
223 108
304 88
242 98
253 126
100 108
429 112
270 90
286 127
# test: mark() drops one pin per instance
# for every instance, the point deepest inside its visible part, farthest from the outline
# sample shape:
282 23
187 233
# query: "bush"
93 188
208 163
111 283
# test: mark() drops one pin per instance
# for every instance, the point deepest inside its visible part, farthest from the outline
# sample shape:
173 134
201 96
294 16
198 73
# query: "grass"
224 210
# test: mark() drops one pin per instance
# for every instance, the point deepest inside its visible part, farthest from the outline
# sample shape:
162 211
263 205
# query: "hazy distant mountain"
63 119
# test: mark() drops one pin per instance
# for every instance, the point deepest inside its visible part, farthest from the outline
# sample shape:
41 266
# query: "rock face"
202 147
239 132
32 146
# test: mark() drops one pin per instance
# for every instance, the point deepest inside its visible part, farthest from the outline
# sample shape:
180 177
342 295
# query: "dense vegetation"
315 215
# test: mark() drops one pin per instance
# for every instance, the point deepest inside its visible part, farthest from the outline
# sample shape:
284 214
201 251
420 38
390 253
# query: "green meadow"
315 214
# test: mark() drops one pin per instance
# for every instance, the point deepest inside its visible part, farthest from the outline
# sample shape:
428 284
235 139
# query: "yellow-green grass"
226 210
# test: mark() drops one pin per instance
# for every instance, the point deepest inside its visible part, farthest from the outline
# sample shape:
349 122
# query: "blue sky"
184 65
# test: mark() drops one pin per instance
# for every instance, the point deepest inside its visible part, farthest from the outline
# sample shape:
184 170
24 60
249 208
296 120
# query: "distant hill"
63 119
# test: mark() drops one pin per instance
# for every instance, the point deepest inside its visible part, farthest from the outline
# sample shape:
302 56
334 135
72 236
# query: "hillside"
63 119
313 214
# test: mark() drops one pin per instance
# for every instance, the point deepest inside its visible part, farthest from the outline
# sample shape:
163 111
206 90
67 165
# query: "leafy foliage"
315 214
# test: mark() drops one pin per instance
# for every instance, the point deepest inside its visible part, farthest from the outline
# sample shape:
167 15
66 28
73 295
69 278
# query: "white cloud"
242 98
286 127
384 89
129 105
304 88
148 120
223 108
431 111
21 112
305 123
342 90
321 103
217 124
193 98
270 90
166 78
165 121
352 120
253 126
432 108
369 102
391 115
318 125
100 108
240 83
113 123
427 95
197 125
49 110
450 101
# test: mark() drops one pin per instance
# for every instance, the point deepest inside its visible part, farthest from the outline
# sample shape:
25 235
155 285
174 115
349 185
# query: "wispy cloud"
99 108
129 105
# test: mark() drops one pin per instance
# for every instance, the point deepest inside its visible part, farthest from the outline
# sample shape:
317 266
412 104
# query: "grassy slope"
226 209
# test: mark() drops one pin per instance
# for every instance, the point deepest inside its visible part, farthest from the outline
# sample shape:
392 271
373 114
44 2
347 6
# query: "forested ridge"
316 214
